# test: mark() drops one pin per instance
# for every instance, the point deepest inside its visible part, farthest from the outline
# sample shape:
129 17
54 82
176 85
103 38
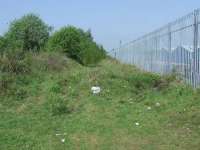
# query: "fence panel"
172 48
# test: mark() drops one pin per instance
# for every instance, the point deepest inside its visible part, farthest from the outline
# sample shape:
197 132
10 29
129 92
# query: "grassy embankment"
53 101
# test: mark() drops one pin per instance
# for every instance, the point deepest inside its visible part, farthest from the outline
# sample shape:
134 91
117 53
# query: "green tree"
77 44
28 33
2 44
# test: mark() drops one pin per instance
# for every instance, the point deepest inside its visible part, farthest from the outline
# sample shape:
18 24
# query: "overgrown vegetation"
45 97
30 34
77 44
40 109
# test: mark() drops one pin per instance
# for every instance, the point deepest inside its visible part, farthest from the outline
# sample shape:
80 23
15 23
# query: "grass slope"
55 98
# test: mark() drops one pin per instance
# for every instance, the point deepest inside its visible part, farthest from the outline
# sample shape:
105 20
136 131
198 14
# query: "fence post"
169 47
115 53
156 61
195 46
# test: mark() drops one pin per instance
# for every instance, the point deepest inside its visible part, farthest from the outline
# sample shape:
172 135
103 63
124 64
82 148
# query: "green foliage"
2 45
56 88
77 44
5 81
15 63
51 61
39 90
57 105
20 94
144 80
29 33
91 53
46 106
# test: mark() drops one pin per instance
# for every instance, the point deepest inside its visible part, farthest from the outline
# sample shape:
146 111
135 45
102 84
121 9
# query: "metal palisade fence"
172 48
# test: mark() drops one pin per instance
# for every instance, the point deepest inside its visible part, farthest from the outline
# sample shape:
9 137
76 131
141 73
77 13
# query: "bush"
145 80
77 44
49 61
15 63
29 33
2 45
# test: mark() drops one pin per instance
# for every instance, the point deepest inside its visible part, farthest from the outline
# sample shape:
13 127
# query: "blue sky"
109 20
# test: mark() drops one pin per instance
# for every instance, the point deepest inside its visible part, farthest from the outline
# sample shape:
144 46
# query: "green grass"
55 98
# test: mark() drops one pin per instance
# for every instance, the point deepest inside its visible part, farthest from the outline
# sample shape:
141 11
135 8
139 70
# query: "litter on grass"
157 104
149 108
96 90
62 140
137 124
59 134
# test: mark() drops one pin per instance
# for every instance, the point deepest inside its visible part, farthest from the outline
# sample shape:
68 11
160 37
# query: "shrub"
14 63
28 33
144 80
91 52
2 45
77 44
49 61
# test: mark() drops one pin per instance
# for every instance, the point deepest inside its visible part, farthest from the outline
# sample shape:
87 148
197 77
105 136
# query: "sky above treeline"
109 20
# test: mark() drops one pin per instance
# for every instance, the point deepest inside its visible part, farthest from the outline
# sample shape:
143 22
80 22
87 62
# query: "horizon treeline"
31 34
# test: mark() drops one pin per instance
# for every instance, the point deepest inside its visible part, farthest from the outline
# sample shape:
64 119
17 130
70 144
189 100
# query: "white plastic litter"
149 108
60 134
63 140
95 89
137 124
157 104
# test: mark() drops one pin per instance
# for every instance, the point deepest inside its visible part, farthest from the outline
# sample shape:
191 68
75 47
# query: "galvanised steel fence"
172 48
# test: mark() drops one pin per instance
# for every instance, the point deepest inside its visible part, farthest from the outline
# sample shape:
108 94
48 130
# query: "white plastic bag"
96 90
